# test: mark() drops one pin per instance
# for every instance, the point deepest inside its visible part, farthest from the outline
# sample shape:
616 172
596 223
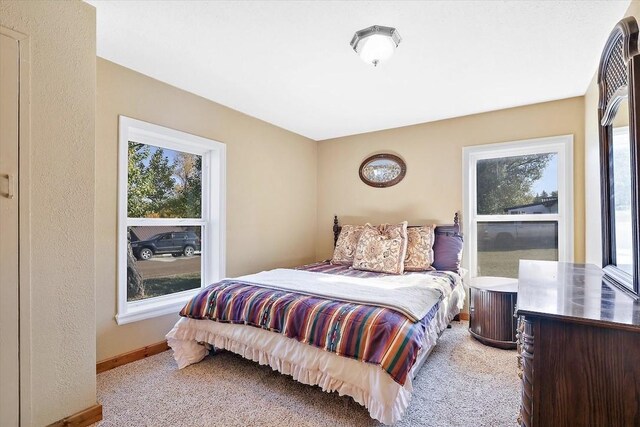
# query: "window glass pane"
518 185
623 250
163 260
501 245
163 183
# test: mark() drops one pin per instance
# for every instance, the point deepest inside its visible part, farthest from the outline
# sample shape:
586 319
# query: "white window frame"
212 218
561 145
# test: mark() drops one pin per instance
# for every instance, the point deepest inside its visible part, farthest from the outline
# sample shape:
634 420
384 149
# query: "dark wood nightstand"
492 303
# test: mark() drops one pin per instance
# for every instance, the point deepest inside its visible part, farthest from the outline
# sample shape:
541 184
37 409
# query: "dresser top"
574 292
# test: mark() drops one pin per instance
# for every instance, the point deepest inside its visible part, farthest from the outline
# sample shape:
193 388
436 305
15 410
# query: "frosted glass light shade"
375 44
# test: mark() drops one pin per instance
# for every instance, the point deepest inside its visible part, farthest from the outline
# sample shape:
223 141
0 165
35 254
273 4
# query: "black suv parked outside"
176 243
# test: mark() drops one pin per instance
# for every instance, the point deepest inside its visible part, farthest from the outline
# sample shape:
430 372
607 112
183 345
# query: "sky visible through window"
549 180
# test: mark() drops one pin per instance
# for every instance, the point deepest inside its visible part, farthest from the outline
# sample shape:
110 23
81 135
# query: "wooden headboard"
440 229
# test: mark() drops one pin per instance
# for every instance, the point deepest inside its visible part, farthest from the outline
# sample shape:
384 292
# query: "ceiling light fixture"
376 44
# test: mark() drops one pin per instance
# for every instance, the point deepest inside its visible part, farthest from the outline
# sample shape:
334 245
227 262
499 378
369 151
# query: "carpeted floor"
463 383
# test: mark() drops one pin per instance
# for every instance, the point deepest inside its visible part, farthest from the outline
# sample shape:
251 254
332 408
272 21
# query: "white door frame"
24 229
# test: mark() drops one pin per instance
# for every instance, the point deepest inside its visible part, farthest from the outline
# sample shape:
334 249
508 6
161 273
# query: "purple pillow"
447 252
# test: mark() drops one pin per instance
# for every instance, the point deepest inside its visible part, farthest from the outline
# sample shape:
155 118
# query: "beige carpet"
463 383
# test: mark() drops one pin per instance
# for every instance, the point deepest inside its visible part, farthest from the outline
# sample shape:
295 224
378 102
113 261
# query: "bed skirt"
367 384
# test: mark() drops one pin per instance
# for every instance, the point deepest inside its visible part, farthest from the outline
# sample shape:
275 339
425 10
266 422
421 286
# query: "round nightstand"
492 305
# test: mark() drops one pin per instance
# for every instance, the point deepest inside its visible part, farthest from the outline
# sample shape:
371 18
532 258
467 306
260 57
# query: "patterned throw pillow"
420 248
382 248
346 244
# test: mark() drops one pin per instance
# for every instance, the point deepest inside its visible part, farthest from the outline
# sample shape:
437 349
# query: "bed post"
336 230
456 222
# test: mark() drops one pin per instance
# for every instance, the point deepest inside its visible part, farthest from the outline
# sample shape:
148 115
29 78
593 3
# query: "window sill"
154 307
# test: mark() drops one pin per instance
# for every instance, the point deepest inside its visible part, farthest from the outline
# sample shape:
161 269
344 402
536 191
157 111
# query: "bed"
361 334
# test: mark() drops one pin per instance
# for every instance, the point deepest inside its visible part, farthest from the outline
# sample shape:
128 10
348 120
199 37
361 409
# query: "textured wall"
593 230
271 190
62 101
432 188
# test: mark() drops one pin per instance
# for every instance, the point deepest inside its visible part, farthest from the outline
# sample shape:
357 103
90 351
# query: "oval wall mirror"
382 170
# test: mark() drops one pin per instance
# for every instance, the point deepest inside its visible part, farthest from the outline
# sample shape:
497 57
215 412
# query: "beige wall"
271 190
593 236
593 230
62 38
432 188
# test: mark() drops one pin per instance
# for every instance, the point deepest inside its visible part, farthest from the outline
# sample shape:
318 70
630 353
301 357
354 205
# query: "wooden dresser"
579 348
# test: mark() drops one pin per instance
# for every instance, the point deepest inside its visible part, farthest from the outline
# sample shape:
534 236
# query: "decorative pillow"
346 244
447 252
382 248
419 248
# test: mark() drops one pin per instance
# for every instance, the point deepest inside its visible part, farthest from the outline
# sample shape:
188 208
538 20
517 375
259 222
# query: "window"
518 202
171 218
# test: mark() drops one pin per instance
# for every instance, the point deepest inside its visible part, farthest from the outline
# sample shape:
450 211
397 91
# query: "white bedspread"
410 294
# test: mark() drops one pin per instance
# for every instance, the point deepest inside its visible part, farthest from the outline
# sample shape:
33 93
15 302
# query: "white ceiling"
289 63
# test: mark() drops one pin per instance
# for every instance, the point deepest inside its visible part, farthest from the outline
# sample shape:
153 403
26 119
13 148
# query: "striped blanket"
371 334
